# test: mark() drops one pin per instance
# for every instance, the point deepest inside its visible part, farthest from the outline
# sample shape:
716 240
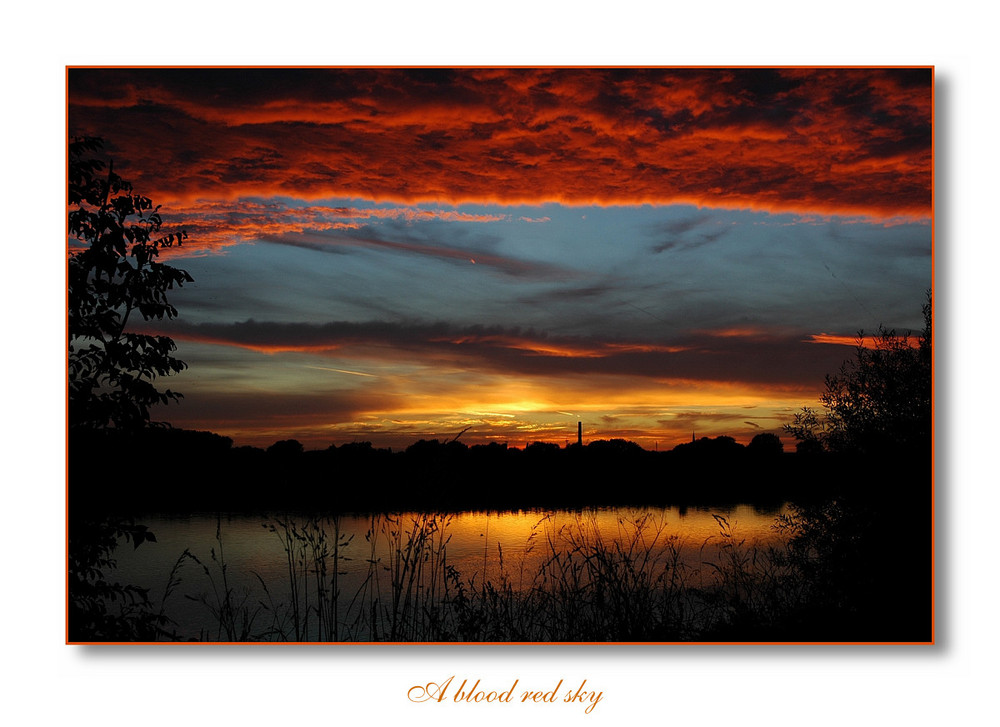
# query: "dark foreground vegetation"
854 564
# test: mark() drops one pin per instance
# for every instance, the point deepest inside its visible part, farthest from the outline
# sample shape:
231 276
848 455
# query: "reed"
234 612
570 583
404 594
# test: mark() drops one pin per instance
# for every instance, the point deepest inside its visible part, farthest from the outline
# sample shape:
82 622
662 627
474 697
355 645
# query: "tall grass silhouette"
571 582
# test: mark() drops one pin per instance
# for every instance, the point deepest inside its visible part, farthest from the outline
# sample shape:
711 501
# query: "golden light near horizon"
522 409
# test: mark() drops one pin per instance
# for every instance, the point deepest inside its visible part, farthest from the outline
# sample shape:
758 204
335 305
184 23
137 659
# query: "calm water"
256 558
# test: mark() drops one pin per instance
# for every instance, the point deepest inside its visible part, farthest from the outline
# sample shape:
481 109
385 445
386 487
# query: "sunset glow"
386 255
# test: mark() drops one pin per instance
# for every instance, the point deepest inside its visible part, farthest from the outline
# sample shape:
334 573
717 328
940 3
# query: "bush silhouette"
879 401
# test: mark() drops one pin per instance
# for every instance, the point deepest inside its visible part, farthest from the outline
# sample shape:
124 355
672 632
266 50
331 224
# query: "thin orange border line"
66 380
527 67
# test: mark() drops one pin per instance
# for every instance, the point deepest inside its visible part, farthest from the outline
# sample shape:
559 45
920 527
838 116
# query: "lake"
431 577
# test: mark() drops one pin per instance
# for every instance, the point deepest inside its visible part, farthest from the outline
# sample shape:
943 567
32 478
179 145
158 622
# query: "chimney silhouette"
579 433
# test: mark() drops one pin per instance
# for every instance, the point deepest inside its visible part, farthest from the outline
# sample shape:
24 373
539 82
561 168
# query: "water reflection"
399 577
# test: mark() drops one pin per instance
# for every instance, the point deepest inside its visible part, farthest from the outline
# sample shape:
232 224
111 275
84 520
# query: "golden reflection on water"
247 544
524 539
694 526
511 547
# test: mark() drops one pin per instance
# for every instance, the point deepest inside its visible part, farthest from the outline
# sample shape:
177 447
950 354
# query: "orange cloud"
846 141
560 349
855 341
837 340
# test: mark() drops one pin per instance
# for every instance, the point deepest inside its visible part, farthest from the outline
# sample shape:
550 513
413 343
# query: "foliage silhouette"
99 608
879 401
113 271
765 444
878 415
286 448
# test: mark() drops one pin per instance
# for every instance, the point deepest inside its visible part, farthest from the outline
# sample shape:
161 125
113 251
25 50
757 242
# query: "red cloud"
831 141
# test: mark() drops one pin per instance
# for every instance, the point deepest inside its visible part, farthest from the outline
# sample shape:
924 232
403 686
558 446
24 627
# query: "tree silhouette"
765 444
879 401
113 272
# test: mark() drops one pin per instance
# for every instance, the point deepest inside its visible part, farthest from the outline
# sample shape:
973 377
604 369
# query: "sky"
387 255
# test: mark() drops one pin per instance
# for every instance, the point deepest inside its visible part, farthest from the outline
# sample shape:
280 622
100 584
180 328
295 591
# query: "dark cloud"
750 358
569 294
465 256
687 234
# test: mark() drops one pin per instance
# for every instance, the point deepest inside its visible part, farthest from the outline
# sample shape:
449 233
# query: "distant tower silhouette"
692 437
579 433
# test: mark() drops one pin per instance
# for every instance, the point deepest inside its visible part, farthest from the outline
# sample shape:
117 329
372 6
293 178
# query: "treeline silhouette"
165 469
